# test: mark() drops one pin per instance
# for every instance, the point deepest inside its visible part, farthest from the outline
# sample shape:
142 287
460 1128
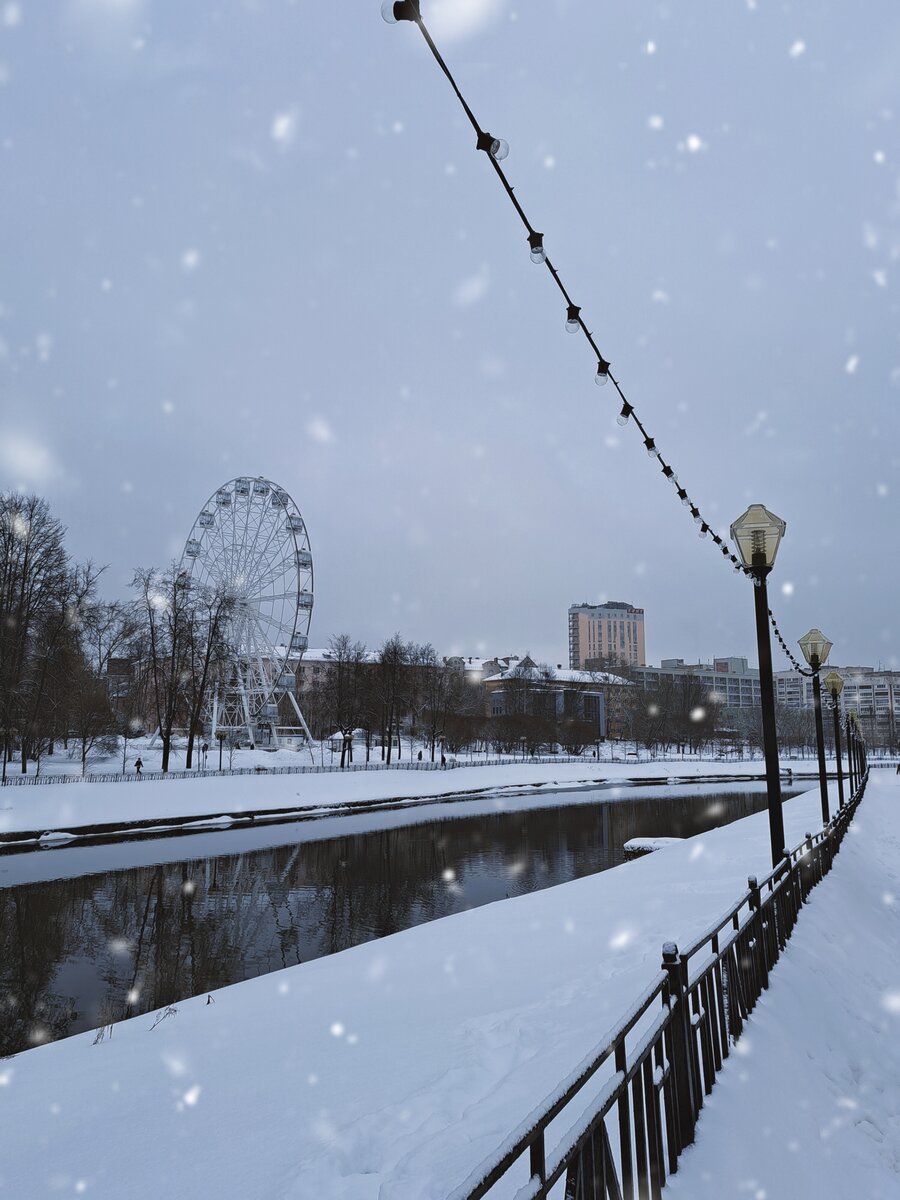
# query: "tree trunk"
165 754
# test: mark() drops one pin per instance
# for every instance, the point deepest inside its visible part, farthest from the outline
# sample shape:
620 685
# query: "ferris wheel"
250 544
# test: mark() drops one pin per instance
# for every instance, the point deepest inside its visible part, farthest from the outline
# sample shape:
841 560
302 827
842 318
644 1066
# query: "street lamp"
757 534
835 685
816 648
859 748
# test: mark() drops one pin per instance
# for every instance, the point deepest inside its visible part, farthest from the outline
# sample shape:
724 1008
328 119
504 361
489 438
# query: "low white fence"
133 777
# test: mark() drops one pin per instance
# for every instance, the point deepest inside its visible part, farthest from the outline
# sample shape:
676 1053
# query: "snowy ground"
72 806
392 1069
322 754
829 1024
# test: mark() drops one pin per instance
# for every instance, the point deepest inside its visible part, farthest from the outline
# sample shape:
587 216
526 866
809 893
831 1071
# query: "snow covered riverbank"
71 807
389 1070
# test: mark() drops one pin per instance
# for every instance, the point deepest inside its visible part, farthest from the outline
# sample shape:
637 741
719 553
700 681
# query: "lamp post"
757 534
849 732
835 685
859 751
816 648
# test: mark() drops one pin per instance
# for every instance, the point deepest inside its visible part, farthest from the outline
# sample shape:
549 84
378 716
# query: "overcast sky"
256 238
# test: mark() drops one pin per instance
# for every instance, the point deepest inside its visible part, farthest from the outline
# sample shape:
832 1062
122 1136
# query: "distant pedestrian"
898 768
138 766
205 749
443 759
420 756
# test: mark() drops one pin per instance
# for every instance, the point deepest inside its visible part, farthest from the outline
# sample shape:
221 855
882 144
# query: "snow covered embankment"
388 1071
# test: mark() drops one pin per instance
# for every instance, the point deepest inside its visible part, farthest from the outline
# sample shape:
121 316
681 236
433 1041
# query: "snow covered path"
810 1106
70 806
387 1071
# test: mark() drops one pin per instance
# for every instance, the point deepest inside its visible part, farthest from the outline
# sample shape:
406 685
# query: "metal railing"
132 777
648 1078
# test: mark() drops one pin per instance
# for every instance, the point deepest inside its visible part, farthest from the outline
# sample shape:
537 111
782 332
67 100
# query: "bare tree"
164 604
389 680
207 615
42 598
343 689
90 719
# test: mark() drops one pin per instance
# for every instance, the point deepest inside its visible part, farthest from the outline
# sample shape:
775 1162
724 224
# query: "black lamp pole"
760 570
820 738
837 747
850 755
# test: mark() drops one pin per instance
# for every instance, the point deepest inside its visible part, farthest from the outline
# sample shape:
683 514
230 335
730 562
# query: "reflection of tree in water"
153 935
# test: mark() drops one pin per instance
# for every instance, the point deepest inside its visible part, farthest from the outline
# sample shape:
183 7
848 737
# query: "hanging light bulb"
704 529
670 474
536 242
400 10
602 376
695 513
651 446
684 497
496 147
573 324
622 418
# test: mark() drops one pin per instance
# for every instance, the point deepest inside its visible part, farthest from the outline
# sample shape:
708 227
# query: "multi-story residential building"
606 632
874 694
730 682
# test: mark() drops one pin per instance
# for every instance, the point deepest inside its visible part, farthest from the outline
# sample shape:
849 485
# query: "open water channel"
91 934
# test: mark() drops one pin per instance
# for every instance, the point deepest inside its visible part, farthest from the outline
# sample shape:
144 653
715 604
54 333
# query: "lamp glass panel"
758 530
834 683
815 645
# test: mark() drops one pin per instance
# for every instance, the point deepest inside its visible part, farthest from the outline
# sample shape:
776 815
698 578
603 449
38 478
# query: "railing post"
759 935
682 1043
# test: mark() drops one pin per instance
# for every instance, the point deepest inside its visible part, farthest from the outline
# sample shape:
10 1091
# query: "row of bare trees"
403 687
77 669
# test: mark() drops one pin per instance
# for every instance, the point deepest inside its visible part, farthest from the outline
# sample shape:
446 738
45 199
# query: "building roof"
559 676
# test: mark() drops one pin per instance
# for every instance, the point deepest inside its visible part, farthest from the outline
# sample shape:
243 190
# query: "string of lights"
497 149
784 646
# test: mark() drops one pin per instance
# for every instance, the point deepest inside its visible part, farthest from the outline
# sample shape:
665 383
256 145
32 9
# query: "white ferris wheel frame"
251 541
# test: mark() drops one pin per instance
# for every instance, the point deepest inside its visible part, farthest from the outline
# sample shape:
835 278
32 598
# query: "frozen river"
92 934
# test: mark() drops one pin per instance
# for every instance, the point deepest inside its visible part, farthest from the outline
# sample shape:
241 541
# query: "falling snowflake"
319 430
693 143
284 128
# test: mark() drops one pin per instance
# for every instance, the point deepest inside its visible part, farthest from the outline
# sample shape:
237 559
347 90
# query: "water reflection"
81 953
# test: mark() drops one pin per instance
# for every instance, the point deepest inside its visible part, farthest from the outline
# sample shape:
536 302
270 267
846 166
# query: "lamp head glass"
757 533
815 645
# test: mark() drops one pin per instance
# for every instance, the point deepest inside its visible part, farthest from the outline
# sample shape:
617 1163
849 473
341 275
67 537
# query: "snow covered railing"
133 777
635 1101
